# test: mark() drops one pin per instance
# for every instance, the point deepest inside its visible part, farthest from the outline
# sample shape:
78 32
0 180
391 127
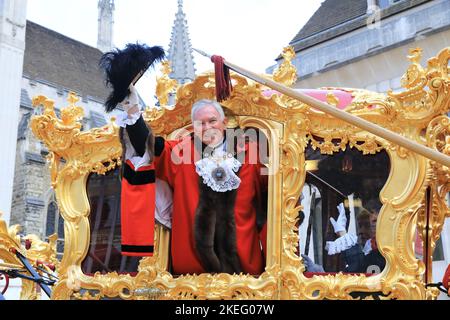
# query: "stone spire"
180 49
105 25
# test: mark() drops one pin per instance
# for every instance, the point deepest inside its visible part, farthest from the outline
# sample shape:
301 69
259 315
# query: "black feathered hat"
125 67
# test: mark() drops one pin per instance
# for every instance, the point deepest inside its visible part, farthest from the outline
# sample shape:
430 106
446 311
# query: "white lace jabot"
218 171
341 244
123 119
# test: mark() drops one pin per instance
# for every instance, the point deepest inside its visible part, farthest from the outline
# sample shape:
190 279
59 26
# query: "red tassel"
223 79
27 244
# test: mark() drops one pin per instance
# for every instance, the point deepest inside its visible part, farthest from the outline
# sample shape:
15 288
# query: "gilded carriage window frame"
417 113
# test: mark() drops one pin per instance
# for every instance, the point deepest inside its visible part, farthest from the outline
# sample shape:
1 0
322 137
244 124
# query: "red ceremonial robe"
174 163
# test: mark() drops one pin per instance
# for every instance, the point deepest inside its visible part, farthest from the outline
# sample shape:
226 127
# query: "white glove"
341 222
310 265
367 247
132 100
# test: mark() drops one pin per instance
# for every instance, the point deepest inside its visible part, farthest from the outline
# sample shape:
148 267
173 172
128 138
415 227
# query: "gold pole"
347 117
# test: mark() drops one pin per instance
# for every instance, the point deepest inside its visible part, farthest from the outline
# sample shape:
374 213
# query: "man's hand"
310 265
131 103
340 224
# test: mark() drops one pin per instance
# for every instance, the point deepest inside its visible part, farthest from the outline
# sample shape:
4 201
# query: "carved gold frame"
417 113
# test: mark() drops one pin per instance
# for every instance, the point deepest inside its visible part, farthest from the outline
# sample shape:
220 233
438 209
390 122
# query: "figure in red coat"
217 188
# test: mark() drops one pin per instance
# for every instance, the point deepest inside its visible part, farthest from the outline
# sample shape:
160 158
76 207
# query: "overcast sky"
249 33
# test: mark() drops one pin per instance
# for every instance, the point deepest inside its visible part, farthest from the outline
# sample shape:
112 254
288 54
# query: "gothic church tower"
105 25
180 49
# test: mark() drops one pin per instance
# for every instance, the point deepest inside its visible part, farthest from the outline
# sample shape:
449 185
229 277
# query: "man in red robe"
219 190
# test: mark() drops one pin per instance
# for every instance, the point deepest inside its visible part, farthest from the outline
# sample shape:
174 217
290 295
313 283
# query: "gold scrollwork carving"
290 126
164 84
286 73
39 253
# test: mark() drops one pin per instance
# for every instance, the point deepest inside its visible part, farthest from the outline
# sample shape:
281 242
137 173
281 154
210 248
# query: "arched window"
52 211
55 224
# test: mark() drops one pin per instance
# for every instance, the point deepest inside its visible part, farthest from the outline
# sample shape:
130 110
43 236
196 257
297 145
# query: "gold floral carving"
94 151
286 73
290 126
40 252
432 214
164 84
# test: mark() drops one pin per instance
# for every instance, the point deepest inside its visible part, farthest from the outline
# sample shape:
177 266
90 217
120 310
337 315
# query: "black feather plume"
123 66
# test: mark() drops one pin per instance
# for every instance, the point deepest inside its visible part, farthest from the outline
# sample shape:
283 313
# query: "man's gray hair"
200 104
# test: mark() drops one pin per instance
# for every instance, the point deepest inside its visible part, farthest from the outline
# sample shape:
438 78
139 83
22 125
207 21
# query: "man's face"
367 227
208 126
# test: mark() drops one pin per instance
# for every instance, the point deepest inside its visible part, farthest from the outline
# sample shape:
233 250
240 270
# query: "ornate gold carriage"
412 193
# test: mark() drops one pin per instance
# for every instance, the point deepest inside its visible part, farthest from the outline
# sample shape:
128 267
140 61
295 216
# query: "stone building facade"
54 65
41 61
37 61
364 43
12 47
